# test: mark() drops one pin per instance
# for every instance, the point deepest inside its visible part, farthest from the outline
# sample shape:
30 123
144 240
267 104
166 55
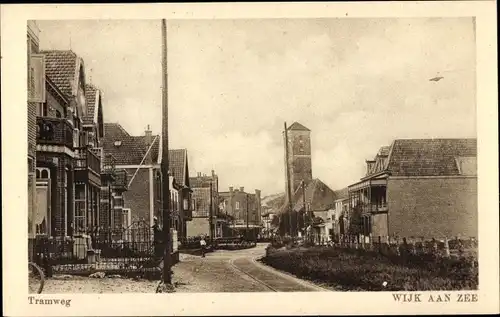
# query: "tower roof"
298 126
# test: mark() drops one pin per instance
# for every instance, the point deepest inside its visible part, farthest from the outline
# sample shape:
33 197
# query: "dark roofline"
297 126
57 90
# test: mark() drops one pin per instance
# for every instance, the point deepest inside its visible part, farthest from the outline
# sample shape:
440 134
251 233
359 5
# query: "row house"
418 188
140 158
205 202
245 209
60 144
36 96
69 162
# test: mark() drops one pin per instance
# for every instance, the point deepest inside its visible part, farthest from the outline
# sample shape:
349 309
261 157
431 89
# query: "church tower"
299 155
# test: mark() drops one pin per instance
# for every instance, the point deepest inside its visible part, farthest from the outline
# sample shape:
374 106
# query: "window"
301 144
237 205
58 114
158 186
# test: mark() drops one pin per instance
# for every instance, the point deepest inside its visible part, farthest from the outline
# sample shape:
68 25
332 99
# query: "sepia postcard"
250 158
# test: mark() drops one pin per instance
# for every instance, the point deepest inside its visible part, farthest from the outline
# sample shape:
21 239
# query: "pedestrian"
157 238
203 245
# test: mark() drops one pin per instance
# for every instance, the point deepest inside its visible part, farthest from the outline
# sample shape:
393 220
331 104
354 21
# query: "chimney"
369 166
199 174
148 139
231 189
242 189
148 136
213 174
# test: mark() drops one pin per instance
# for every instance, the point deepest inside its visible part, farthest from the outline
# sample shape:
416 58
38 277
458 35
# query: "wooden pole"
289 191
304 205
167 259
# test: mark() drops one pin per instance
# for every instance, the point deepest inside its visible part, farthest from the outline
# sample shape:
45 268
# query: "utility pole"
304 205
211 213
167 258
289 191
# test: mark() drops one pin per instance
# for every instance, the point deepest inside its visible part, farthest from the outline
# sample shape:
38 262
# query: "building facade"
244 209
140 158
299 155
418 187
205 204
36 96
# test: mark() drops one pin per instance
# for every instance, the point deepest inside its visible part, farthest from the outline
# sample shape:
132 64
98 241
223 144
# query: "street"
220 271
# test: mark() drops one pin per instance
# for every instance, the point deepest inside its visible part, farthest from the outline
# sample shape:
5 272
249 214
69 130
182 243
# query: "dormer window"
118 143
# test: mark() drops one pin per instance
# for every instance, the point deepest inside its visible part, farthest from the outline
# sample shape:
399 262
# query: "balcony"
54 131
120 180
107 168
379 208
88 166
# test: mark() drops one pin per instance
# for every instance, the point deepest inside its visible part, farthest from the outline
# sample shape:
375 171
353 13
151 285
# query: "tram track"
269 278
236 268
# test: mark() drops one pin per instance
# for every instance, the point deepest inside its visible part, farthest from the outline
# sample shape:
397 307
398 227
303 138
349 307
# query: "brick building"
299 155
418 187
140 157
36 96
245 209
202 202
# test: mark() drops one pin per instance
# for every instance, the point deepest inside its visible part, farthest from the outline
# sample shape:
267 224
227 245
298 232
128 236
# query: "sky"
356 83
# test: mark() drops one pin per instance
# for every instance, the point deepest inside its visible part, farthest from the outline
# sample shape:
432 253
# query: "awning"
368 183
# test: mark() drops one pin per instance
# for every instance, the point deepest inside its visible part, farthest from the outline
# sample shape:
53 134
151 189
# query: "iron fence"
132 250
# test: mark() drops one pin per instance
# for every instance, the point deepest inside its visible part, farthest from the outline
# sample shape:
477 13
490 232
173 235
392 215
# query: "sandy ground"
192 274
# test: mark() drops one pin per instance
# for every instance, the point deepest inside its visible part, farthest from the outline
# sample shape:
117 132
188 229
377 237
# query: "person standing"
157 238
203 245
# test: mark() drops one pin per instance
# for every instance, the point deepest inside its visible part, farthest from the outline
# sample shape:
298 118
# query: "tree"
355 222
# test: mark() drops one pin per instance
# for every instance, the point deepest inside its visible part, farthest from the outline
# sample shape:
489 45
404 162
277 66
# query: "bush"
349 269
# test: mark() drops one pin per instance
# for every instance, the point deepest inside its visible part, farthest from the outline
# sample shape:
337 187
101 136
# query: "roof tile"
429 157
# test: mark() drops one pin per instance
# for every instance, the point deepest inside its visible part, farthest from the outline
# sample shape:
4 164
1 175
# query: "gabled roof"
132 150
429 157
318 197
177 160
62 67
298 126
342 193
91 96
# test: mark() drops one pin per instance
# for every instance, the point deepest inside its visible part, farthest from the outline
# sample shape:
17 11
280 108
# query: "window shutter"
36 88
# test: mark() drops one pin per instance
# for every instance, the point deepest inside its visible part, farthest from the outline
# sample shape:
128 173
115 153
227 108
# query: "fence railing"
133 249
54 131
87 159
445 247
